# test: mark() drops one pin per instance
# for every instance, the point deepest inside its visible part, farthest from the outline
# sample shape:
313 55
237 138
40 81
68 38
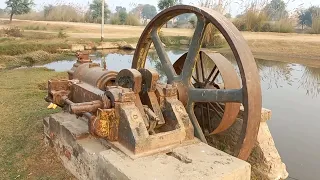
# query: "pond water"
290 90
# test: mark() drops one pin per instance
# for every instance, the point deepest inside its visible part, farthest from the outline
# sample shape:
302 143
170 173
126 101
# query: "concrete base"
265 160
87 158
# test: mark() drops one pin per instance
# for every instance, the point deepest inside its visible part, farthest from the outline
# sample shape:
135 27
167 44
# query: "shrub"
62 34
36 57
64 13
172 40
115 20
12 31
252 20
283 26
240 24
165 39
35 28
132 20
212 37
16 48
315 27
40 35
266 27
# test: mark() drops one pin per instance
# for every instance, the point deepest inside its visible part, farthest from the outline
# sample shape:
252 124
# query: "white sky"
129 4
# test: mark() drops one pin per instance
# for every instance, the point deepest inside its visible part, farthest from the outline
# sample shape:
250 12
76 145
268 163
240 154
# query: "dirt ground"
293 47
89 30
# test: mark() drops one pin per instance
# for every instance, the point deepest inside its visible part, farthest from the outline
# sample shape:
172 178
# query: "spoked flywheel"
210 87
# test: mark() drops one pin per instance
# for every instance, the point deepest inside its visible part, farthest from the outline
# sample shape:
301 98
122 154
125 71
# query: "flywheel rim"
251 89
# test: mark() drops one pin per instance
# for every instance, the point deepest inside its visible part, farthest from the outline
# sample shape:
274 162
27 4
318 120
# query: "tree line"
272 16
72 13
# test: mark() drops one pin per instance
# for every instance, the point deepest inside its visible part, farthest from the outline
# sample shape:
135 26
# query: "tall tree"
164 4
47 10
305 18
148 11
276 10
314 10
2 12
137 10
95 10
122 13
120 8
17 7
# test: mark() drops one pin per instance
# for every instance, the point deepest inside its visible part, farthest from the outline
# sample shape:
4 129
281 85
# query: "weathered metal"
83 57
222 67
139 115
106 124
250 92
116 113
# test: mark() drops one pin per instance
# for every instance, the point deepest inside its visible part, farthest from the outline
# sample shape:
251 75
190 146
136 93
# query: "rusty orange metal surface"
106 124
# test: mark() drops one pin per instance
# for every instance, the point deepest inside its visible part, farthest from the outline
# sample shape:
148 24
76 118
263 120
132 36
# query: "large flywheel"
198 83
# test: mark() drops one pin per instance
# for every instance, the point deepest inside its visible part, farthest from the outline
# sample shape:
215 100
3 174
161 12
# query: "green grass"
18 47
30 59
35 27
21 138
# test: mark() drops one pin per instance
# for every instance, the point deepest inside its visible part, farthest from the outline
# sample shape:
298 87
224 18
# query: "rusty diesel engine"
129 108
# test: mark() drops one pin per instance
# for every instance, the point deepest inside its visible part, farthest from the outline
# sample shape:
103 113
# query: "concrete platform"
89 158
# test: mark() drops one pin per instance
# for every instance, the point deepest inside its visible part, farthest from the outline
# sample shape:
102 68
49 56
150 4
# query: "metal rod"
163 56
197 129
209 118
202 67
193 51
215 95
207 80
202 117
215 77
102 20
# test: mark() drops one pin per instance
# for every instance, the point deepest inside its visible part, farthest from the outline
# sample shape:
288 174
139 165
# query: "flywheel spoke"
163 56
194 49
215 95
210 75
197 129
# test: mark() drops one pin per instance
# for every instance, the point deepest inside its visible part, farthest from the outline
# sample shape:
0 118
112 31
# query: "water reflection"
310 81
273 74
156 64
276 74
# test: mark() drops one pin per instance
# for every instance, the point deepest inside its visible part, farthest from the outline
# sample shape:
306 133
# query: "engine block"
129 109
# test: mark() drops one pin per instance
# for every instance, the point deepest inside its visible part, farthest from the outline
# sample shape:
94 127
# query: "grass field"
22 151
273 46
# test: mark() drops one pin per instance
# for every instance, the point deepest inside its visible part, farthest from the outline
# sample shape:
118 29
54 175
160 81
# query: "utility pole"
102 21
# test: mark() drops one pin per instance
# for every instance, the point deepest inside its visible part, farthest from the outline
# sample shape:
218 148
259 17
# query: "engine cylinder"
94 75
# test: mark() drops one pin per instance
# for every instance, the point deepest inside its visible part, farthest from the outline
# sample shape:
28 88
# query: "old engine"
139 115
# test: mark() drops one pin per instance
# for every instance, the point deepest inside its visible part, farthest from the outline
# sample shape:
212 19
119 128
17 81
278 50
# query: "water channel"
290 90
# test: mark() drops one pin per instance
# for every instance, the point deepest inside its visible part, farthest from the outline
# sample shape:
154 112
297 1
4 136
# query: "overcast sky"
129 4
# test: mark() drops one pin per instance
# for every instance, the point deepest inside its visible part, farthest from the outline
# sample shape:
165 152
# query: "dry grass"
23 153
29 59
90 30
